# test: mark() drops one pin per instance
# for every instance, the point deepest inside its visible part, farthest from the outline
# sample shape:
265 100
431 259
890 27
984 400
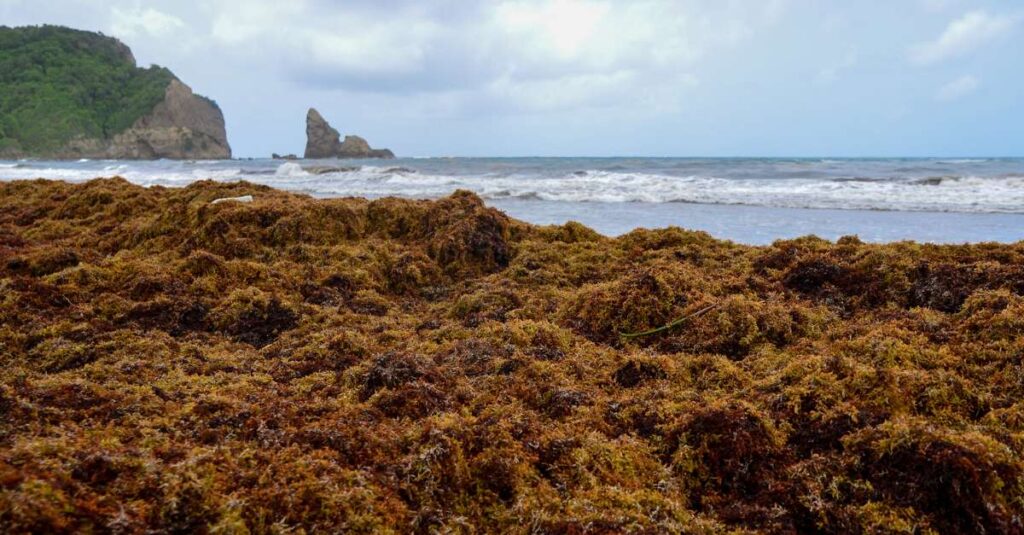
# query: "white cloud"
512 54
130 23
592 91
324 44
962 36
957 89
830 74
376 49
564 27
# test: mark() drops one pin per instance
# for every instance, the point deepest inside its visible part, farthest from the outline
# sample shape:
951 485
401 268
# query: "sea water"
750 200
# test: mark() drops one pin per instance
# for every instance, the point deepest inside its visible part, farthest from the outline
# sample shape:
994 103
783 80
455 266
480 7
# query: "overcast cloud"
589 77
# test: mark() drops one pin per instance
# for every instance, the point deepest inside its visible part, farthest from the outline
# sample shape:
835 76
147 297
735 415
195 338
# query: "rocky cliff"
323 141
68 93
183 126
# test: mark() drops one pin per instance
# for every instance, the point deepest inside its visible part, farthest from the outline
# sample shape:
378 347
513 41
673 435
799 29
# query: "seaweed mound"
170 364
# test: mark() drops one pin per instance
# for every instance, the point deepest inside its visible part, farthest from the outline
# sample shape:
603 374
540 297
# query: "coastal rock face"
98 102
323 141
184 126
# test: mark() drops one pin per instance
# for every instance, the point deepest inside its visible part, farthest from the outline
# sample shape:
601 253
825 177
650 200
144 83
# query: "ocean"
749 200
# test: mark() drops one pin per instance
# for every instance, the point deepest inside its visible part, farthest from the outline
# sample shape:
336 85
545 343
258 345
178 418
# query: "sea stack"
323 141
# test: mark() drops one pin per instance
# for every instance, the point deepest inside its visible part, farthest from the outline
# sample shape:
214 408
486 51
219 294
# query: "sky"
590 77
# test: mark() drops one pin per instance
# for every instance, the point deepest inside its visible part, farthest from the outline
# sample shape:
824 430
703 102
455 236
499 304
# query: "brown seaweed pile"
169 365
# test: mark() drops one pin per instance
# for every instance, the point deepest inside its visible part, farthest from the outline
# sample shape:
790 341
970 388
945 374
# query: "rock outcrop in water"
323 141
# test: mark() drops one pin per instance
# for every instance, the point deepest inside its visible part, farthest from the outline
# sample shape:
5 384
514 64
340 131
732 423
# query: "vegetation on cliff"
344 365
59 84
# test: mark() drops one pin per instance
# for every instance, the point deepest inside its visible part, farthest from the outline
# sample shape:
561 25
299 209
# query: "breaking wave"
783 184
941 193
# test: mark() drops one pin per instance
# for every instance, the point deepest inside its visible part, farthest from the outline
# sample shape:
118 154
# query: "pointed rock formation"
323 141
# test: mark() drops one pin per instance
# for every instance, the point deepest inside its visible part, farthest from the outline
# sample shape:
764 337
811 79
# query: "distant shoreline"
755 225
748 200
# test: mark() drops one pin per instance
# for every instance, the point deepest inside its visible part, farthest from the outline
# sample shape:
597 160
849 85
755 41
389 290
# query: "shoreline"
761 225
742 223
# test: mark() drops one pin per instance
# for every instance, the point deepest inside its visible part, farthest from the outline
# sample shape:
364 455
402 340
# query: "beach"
530 267
747 200
222 353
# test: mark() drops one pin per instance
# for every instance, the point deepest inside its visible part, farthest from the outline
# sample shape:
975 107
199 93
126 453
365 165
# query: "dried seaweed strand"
705 310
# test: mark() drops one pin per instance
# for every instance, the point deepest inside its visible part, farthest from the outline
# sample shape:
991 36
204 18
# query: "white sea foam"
290 169
943 194
217 174
784 184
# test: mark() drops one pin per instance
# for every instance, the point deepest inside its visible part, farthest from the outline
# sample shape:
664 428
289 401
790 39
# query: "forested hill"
59 86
